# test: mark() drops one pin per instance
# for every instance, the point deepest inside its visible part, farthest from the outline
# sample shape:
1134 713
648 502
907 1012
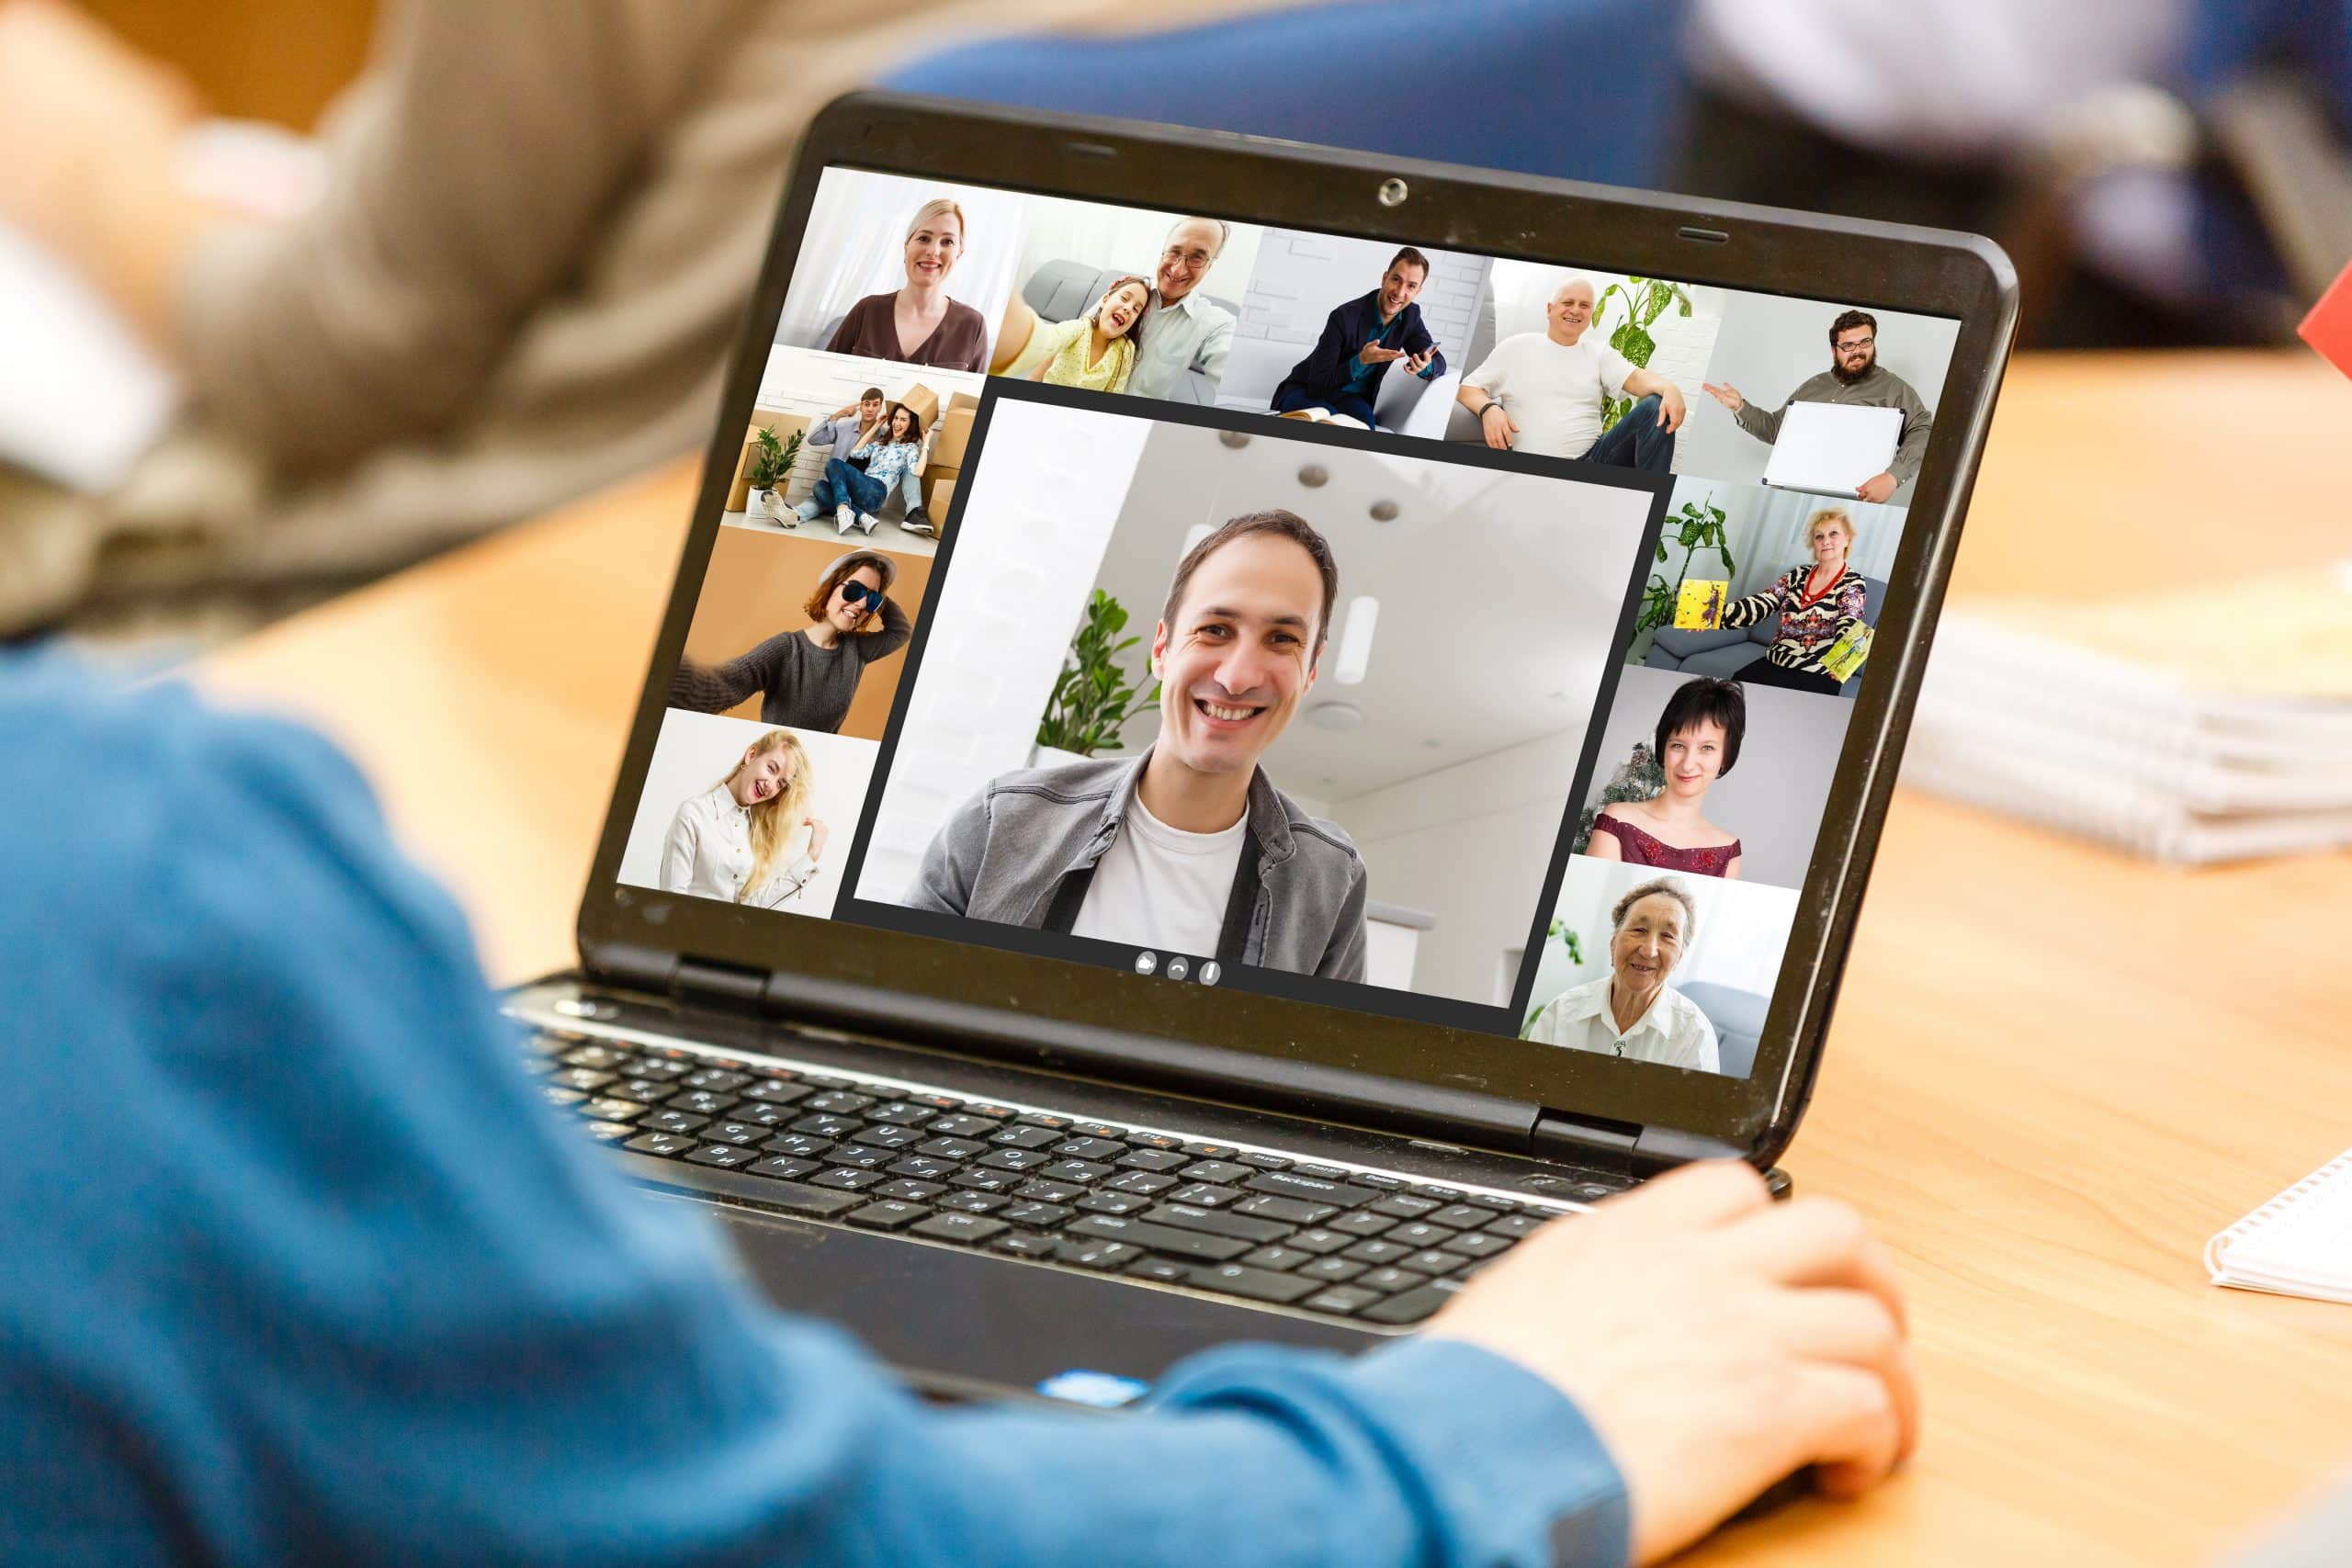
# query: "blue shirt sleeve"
301 1266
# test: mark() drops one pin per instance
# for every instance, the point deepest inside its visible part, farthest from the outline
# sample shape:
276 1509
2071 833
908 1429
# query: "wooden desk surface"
2053 1074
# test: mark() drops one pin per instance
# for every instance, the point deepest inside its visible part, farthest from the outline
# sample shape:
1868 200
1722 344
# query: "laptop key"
717 1079
1337 1270
1429 1260
703 1102
1046 1120
1210 1151
1322 1172
1161 1270
782 1166
1377 1252
1321 1240
973 1202
1101 1255
776 1091
646 1091
888 1135
760 1114
1046 1191
1164 1143
1204 1194
825 1126
986 1180
1254 1284
1027 1138
865 1156
839 1101
1421 1233
1409 1307
889 1215
1091 1147
965 1125
801 1146
1154 1160
1277 1257
1266 1162
1295 1183
611 1110
598 1058
1144 1234
1374 1178
567 1098
910 1191
1463 1217
1099 1130
1296 1211
1362 1223
734 1132
849 1180
675 1121
1082 1171
1212 1222
724 1157
669 1145
1021 1245
1479 1244
901 1113
1035 1215
1222 1172
1015 1159
1340 1301
922 1167
1443 1194
587 1080
1389 1282
1404 1206
964 1230
1139 1182
1114 1203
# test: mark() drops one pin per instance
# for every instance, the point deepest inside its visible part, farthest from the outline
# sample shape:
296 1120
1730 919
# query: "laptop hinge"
1663 1148
1586 1141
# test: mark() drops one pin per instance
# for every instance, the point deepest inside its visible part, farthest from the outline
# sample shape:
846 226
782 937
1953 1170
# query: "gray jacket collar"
1269 815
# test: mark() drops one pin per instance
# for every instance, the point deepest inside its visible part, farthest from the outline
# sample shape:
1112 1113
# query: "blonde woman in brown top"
919 324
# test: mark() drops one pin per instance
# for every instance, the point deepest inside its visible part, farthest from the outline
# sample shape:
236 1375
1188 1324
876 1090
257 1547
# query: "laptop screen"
1431 634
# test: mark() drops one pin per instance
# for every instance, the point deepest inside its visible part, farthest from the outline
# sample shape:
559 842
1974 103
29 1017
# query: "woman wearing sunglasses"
808 678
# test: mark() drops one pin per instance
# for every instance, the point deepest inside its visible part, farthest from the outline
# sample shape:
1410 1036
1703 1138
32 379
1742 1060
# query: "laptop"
1830 448
1247 899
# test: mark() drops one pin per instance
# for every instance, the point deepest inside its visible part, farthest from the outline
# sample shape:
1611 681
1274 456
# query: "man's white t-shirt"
1161 887
1553 392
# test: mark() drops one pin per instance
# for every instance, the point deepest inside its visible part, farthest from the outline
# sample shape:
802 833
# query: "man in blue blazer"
1361 338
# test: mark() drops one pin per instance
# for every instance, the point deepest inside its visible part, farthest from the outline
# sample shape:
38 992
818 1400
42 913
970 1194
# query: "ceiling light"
1233 439
1335 715
1355 640
1385 510
1315 476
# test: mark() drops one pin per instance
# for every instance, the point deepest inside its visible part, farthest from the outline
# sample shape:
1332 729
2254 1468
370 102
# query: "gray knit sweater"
805 687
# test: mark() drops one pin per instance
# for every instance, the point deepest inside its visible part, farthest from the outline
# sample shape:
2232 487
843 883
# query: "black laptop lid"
1562 804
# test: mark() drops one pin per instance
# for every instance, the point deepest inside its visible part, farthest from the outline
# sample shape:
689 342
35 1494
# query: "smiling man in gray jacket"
1190 849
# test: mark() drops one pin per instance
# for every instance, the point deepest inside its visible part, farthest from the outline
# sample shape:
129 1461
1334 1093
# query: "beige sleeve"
470 166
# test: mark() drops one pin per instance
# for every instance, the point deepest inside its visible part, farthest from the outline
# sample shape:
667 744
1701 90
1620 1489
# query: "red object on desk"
2329 326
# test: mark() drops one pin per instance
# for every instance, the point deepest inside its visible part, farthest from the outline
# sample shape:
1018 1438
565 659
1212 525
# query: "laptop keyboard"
1063 1191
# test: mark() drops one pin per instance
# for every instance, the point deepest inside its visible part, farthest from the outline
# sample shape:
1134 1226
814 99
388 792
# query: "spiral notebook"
2299 1244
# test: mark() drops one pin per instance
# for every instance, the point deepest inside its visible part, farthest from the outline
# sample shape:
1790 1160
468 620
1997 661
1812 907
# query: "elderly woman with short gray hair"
1631 1011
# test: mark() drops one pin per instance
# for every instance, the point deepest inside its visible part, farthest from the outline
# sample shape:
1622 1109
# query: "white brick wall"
1030 531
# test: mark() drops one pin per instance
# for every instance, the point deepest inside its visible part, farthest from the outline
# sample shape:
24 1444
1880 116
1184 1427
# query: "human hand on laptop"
1715 1340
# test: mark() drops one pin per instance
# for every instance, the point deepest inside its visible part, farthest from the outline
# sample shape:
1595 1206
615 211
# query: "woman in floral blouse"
1817 605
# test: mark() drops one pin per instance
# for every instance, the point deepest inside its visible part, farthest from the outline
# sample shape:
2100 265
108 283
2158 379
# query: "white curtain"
855 245
1768 532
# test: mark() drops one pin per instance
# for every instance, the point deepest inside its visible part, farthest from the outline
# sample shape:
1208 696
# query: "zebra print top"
1808 624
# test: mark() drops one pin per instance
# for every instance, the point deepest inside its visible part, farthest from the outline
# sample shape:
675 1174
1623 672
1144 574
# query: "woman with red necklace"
1817 605
1698 741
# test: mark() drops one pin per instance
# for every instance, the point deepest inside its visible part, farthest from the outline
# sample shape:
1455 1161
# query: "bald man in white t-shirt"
1546 392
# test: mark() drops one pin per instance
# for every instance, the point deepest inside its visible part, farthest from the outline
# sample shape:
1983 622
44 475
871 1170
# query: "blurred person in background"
2163 171
521 279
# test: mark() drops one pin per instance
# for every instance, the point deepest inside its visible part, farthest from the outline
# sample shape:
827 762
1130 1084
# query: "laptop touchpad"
953 1321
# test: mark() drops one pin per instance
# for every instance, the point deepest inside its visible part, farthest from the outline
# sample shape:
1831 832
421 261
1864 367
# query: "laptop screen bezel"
930 983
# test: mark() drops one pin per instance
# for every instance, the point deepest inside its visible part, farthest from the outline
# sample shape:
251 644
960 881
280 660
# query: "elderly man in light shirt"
1631 1011
1183 331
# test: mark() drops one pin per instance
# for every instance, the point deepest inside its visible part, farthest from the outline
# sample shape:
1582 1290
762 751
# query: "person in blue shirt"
1342 373
300 1267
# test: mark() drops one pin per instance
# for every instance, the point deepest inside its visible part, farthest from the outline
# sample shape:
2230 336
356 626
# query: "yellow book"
1700 607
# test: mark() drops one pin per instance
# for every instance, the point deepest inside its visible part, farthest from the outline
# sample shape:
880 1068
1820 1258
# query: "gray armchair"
1739 1018
1729 649
1061 289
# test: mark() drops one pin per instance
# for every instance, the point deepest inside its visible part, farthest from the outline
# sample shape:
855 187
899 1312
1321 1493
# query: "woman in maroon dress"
1698 741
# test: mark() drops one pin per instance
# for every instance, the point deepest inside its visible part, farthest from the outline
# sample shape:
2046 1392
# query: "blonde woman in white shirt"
1631 1011
729 840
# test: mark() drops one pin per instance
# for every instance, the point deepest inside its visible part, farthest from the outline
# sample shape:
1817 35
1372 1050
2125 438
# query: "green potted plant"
1696 526
771 467
1645 300
1093 699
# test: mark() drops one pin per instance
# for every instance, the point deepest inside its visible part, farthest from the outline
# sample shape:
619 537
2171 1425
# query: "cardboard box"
924 401
938 495
954 434
739 493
